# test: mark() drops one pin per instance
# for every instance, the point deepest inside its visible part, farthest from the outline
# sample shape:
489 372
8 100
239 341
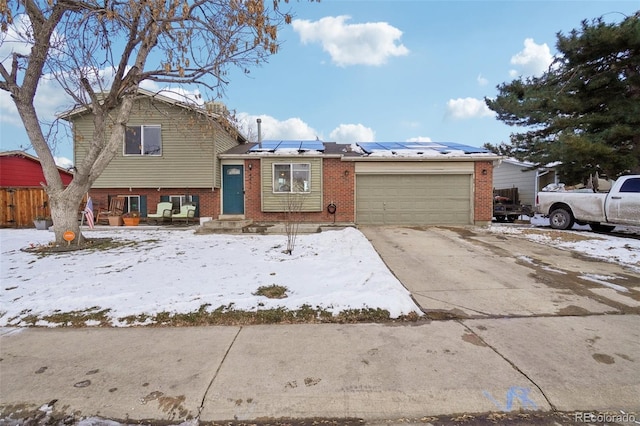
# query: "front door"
232 189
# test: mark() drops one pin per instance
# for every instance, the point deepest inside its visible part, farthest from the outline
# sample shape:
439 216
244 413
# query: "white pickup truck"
601 211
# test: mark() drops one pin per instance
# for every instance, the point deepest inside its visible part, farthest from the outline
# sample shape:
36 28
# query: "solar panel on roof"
289 145
444 147
312 146
275 145
466 148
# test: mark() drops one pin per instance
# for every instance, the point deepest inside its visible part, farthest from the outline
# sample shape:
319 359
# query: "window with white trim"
143 140
291 177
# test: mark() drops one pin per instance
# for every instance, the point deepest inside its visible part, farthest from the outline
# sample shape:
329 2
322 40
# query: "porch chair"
186 212
163 212
116 208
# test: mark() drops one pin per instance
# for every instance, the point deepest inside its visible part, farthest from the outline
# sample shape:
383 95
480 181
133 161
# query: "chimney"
259 121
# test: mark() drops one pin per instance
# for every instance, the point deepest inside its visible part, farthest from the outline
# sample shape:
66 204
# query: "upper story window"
293 177
143 140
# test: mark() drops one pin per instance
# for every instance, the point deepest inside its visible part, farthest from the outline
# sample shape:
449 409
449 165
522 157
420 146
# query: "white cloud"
350 133
533 60
463 108
482 81
371 43
63 162
50 100
16 39
420 139
272 128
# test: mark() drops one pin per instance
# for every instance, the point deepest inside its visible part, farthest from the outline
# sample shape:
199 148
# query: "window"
131 203
181 200
295 177
631 185
143 140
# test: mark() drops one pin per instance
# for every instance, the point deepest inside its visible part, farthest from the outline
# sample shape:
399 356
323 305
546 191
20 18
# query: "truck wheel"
512 218
560 219
598 227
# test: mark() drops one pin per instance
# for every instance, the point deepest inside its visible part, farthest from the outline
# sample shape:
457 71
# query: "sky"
381 70
335 270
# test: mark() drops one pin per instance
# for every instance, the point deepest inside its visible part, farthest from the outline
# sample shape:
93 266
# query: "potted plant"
131 218
115 220
42 222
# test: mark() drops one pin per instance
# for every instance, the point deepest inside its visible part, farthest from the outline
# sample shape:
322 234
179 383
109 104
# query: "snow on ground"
624 251
177 271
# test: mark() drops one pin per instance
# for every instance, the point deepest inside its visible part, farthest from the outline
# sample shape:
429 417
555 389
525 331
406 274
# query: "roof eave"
470 157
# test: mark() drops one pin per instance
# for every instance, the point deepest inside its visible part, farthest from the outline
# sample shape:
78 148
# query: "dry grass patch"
272 291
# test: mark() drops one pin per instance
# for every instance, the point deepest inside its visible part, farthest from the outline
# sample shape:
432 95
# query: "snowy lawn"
176 271
160 271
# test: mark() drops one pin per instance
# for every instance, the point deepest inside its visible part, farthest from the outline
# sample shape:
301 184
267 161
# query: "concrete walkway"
375 372
505 346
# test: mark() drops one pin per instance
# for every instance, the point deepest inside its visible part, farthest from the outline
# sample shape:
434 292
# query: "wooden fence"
20 206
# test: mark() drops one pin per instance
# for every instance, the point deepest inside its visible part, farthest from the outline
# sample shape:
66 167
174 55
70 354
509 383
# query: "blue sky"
365 70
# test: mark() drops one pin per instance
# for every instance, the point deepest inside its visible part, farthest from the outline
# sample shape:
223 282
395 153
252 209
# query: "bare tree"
293 203
101 50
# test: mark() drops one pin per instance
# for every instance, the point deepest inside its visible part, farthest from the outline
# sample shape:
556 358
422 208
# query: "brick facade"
208 200
338 187
483 192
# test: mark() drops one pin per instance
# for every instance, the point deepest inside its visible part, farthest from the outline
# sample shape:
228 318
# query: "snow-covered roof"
529 164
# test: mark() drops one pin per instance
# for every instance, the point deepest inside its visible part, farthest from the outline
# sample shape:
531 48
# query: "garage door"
413 199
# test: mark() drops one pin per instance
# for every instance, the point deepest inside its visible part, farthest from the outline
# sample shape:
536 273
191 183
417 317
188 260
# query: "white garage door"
414 199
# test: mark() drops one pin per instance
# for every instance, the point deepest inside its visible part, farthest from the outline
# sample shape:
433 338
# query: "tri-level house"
172 153
169 153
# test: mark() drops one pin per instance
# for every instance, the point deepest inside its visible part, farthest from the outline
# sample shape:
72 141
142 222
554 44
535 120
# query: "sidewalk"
377 372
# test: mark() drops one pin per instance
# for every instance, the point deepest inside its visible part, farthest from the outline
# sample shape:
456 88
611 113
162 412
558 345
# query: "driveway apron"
471 273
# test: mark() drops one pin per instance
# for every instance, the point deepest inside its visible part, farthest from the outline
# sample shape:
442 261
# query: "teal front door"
232 189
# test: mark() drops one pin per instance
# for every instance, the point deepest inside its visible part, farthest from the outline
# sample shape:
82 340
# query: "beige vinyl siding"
276 202
188 149
223 142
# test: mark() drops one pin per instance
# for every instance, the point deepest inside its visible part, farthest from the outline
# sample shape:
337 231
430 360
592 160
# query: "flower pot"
42 224
115 220
131 221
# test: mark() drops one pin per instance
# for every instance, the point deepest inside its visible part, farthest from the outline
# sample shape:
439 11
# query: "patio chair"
186 212
163 213
116 208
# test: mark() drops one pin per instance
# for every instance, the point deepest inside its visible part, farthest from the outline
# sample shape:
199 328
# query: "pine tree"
584 112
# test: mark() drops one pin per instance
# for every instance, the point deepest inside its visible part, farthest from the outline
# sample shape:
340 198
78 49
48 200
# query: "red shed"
21 170
22 197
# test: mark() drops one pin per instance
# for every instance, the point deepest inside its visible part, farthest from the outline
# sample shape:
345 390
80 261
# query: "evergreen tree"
584 112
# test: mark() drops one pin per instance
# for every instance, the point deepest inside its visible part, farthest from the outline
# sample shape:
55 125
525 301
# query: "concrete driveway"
528 303
472 273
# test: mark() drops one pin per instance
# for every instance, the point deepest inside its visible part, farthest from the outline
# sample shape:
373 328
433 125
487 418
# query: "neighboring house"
169 153
529 180
22 197
399 183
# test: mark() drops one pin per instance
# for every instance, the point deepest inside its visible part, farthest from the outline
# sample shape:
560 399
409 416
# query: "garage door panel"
413 199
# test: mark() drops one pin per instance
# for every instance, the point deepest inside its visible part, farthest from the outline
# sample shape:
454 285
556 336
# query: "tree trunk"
64 212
